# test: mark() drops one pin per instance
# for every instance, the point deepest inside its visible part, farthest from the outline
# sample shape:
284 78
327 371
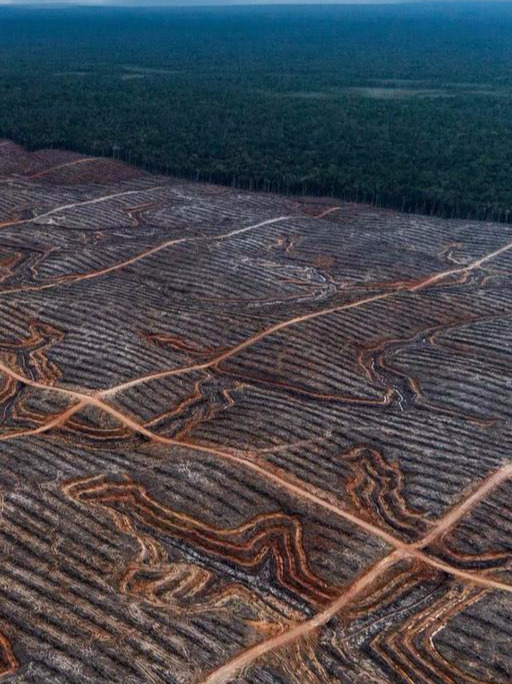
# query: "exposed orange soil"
218 493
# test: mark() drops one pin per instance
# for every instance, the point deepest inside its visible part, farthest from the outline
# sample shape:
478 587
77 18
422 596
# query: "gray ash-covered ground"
248 438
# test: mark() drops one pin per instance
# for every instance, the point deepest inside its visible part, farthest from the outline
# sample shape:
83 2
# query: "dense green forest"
404 106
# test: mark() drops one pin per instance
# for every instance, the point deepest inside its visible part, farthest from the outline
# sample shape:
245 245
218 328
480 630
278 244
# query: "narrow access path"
70 279
402 286
76 162
64 207
326 212
226 672
431 280
448 521
297 487
57 421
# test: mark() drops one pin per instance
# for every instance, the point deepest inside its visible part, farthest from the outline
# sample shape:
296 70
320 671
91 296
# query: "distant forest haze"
407 106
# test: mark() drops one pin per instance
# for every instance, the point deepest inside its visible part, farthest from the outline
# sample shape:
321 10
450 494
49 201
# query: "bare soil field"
246 438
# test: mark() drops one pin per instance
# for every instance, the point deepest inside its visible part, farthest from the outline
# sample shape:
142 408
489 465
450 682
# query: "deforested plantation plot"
248 438
256 344
402 106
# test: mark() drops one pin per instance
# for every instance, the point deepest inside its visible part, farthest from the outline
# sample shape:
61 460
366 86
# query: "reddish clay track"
220 464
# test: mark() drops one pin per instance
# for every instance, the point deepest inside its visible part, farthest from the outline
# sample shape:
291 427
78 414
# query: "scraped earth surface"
248 438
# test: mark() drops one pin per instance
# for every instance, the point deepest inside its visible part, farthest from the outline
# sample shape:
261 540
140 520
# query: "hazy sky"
199 2
149 3
219 2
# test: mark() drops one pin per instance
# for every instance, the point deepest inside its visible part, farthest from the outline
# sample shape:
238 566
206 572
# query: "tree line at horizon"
406 109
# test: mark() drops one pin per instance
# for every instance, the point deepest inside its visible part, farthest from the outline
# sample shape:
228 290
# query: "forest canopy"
403 106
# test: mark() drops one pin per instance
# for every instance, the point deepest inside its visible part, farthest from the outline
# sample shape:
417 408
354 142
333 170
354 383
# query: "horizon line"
154 4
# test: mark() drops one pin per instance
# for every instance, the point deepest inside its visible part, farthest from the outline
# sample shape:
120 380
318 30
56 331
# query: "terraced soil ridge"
248 438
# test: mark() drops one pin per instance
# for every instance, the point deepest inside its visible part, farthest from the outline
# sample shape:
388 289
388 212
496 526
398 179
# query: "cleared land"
247 438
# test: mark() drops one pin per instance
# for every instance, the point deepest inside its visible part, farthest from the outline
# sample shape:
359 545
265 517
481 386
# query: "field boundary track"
382 375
